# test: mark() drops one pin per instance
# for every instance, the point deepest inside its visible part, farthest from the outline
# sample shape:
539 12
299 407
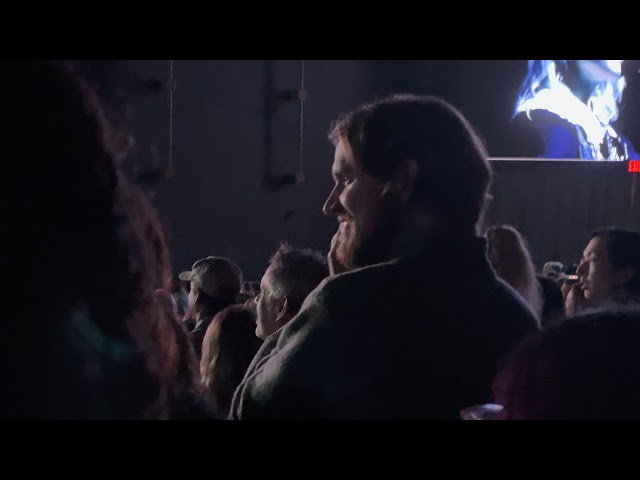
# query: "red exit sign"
634 166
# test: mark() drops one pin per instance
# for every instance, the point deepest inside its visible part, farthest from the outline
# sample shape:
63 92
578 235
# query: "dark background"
220 189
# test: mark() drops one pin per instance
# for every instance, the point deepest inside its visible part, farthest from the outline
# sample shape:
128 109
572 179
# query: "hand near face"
565 289
575 300
337 257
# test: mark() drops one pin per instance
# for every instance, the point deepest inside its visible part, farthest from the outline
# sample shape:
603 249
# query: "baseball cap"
552 269
215 276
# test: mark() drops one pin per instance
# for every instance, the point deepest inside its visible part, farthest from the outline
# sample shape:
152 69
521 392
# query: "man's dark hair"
454 173
623 247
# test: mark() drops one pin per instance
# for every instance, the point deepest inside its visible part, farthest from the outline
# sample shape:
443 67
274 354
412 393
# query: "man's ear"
283 310
403 180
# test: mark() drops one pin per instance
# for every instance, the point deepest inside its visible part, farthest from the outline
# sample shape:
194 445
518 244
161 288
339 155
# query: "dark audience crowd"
415 312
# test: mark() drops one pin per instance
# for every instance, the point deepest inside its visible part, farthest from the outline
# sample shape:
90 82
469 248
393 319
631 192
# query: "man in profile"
413 321
608 273
292 274
215 283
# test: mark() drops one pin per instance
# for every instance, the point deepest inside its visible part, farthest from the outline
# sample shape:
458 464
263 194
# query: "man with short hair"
609 271
215 284
292 274
417 323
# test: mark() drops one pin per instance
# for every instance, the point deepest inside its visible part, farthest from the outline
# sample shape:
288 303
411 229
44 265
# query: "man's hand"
575 300
336 266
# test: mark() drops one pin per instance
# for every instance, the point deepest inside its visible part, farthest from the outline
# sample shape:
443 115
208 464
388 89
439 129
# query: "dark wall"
485 91
557 204
216 203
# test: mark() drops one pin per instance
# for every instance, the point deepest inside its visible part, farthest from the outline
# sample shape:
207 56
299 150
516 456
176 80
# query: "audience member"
228 347
512 262
215 285
189 399
609 271
553 303
292 274
416 325
82 336
552 270
587 368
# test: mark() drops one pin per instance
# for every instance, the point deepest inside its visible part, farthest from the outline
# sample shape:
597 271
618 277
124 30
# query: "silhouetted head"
512 261
292 274
80 336
227 350
610 265
404 163
585 368
215 283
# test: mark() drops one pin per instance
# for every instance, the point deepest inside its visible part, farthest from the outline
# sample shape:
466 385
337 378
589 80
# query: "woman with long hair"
512 262
229 345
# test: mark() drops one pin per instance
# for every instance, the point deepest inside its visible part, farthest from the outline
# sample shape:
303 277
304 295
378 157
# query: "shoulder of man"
352 285
284 379
332 290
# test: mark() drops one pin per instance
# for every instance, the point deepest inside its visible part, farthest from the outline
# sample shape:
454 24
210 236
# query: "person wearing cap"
215 285
552 270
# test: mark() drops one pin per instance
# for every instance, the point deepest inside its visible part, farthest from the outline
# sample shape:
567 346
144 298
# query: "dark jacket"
415 338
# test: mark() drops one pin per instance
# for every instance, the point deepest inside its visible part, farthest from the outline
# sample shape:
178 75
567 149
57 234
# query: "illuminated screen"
534 109
574 107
